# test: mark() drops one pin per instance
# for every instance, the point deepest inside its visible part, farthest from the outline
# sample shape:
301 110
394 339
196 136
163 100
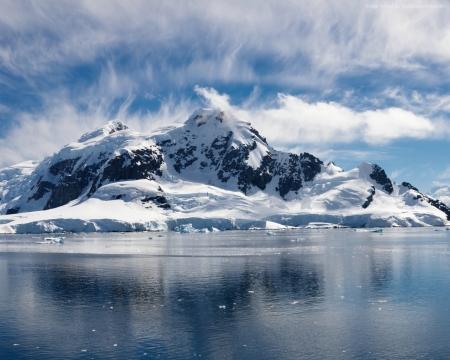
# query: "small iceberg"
323 225
188 229
270 233
370 230
52 240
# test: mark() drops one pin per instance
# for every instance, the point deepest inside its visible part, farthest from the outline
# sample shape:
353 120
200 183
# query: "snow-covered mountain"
213 171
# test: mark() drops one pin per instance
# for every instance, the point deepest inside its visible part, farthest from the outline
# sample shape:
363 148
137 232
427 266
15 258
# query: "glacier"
215 171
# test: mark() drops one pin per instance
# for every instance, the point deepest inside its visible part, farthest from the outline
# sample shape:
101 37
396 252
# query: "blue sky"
348 81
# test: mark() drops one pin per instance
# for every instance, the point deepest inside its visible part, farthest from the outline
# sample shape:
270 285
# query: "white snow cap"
116 125
203 115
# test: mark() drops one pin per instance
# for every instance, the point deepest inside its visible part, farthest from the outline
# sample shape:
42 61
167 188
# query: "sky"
348 81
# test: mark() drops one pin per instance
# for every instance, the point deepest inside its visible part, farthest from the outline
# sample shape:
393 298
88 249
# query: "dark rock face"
63 167
70 185
310 165
66 190
369 198
43 188
11 211
234 165
409 186
290 176
217 149
133 165
74 178
159 201
256 133
381 178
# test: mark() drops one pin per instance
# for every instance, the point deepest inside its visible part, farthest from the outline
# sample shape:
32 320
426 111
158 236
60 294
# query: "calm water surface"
329 294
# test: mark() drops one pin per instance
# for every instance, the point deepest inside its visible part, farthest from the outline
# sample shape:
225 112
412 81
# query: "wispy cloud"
248 42
396 173
445 174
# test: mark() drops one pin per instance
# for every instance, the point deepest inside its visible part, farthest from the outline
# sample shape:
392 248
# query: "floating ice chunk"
323 225
270 233
150 238
251 292
188 228
160 235
222 307
369 230
52 240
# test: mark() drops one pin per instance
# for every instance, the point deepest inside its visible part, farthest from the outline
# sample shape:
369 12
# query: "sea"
296 294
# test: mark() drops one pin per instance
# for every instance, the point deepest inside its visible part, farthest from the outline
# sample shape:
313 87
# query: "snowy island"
214 172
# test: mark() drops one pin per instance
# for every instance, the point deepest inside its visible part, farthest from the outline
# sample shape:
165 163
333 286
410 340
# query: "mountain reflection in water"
338 294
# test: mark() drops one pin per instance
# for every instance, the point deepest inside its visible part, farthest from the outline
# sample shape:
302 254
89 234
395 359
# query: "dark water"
334 294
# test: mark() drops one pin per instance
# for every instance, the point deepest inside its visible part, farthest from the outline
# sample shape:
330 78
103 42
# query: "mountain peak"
116 125
109 128
203 116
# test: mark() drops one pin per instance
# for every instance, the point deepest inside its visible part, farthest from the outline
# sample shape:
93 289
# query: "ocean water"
303 294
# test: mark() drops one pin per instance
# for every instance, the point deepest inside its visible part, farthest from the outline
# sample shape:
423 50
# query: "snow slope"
213 171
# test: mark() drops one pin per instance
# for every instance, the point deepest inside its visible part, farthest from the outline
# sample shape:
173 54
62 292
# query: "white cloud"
213 98
179 42
293 121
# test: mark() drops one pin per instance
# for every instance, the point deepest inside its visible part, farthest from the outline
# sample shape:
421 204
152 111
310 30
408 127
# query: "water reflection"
381 270
328 297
